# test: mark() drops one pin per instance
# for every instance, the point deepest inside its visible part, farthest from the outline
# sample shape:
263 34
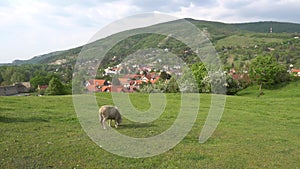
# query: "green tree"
265 71
55 87
1 79
199 72
39 80
232 85
6 74
214 82
17 76
187 82
172 86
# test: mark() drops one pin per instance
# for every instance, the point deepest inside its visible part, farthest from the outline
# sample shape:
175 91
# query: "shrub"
55 87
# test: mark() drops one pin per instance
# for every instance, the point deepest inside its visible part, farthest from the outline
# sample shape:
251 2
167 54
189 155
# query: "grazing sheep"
108 112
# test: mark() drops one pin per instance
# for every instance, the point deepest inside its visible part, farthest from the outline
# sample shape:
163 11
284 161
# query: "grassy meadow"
264 132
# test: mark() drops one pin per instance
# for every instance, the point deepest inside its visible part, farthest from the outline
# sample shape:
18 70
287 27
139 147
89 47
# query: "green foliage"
41 92
264 27
55 87
37 74
232 86
187 81
161 86
68 89
172 86
266 71
206 85
199 71
158 87
215 82
13 74
1 78
39 80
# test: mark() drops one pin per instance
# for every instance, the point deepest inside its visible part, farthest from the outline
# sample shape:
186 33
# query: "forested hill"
69 54
263 27
258 27
217 31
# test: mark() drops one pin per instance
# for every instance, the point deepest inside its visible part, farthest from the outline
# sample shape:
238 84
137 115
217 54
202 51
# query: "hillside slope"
216 32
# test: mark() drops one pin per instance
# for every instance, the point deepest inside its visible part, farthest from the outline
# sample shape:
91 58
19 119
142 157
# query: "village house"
292 70
16 88
96 85
296 72
128 83
42 87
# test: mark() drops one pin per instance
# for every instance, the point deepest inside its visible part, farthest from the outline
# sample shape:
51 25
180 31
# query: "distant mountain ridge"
50 57
263 27
217 30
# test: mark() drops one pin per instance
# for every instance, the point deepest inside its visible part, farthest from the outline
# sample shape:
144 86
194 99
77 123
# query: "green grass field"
264 132
250 40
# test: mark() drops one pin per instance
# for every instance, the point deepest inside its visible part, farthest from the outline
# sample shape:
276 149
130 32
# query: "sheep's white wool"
108 112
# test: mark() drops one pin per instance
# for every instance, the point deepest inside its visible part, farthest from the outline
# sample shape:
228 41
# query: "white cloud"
243 11
29 28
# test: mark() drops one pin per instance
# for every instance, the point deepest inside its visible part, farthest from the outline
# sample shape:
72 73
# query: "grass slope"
251 39
44 132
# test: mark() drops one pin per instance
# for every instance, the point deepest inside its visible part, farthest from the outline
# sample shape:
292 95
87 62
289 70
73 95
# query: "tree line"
39 74
264 71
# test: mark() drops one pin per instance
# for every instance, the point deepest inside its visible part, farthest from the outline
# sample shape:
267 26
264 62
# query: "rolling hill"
219 33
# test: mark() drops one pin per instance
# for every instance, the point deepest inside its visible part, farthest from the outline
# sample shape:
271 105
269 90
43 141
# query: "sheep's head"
119 120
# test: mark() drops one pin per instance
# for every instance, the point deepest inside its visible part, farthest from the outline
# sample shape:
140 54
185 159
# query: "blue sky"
30 27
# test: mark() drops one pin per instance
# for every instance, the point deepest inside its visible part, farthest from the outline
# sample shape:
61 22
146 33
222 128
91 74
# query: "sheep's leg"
109 121
116 123
103 122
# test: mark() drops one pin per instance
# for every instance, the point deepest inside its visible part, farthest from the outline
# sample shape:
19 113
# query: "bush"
55 87
41 92
232 85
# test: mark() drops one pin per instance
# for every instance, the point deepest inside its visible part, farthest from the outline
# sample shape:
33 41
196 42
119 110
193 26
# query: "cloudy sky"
31 27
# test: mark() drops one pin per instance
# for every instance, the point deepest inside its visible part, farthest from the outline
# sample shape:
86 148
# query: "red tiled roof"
117 89
154 80
95 85
42 87
130 76
97 82
123 80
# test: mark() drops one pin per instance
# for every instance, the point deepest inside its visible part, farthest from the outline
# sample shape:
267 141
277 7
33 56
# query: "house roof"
97 82
117 89
40 87
153 80
106 88
130 76
25 84
114 89
295 70
123 80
